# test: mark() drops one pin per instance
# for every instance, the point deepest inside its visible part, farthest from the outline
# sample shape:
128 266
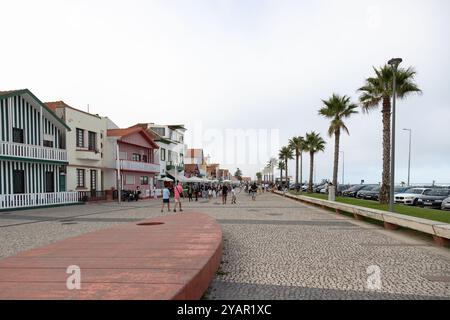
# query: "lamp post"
409 156
394 63
343 166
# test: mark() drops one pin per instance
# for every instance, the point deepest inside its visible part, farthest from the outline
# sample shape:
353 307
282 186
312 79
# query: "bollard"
331 193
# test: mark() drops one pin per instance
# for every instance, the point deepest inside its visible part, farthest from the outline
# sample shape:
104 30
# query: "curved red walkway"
174 260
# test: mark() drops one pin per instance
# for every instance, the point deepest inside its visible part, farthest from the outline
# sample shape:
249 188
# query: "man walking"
224 194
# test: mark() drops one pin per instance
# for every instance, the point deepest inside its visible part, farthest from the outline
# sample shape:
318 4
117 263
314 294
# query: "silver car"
446 204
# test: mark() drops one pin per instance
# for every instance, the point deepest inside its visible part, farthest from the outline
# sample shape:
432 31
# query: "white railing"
139 166
20 150
14 201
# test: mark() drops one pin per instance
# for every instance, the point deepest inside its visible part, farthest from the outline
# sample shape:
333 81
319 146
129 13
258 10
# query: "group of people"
196 191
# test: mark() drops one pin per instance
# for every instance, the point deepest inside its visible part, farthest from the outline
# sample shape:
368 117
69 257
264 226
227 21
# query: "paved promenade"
274 248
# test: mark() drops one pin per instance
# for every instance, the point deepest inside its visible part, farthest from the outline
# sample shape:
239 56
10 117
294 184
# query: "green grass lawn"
431 214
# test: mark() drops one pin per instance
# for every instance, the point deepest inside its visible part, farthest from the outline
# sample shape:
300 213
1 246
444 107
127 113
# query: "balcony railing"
17 201
27 151
139 166
171 165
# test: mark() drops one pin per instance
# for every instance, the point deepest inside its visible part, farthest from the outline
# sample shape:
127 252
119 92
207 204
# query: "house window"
17 135
49 182
160 131
48 143
92 141
144 158
80 138
129 180
163 154
93 180
136 157
80 178
144 181
18 181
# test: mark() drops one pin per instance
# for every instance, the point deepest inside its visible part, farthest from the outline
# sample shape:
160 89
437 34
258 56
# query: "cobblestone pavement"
274 248
277 248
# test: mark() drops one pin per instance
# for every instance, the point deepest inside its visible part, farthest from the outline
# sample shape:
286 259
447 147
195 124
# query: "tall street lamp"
409 155
394 63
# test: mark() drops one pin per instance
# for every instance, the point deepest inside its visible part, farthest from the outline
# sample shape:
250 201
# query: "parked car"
433 198
373 194
367 188
410 196
351 192
341 188
317 188
446 204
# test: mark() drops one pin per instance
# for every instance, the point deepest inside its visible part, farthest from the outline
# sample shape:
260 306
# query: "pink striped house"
138 164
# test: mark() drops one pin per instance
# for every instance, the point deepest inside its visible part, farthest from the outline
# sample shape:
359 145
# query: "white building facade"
33 155
85 145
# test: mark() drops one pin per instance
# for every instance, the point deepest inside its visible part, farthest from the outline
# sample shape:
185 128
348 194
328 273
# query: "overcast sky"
243 64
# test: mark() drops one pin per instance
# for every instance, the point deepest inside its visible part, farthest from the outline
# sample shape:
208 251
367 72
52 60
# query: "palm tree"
297 144
281 167
286 154
376 90
337 108
313 144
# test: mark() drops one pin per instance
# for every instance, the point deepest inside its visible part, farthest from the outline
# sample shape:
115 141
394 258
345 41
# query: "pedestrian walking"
253 191
178 191
233 195
224 194
166 199
190 191
155 196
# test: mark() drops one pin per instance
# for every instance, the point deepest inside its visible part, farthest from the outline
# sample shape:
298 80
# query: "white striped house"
33 158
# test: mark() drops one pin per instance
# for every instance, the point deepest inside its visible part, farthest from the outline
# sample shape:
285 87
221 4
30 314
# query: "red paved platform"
174 260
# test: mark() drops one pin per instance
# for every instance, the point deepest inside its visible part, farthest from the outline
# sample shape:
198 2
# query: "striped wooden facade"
19 112
34 176
32 153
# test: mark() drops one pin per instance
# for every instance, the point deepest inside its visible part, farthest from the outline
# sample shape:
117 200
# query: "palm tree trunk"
301 171
311 169
281 176
287 178
385 182
296 167
337 134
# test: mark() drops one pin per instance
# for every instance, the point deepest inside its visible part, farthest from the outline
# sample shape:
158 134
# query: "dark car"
341 188
373 194
433 198
367 188
351 192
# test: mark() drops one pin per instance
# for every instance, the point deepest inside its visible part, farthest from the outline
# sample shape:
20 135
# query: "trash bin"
332 193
